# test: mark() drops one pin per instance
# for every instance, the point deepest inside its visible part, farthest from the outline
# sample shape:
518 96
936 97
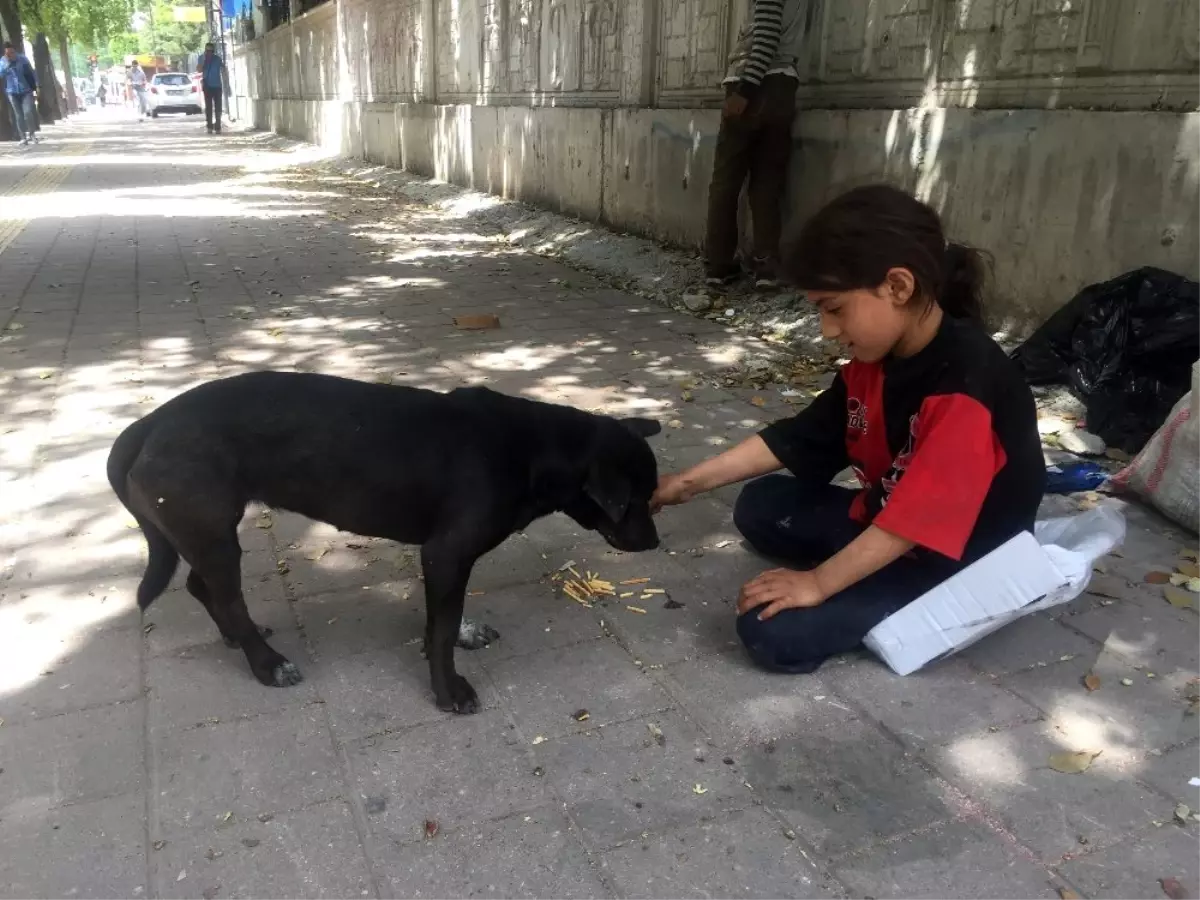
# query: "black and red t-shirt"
945 443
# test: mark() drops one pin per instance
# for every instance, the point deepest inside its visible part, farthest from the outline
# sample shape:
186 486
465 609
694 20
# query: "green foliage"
89 22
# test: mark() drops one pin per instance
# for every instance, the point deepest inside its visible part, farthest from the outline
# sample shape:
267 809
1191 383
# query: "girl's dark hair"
854 240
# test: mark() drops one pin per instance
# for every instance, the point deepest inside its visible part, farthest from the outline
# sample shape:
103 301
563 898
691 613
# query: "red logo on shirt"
902 461
856 415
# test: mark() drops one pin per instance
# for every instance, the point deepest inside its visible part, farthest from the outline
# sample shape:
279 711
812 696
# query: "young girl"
936 422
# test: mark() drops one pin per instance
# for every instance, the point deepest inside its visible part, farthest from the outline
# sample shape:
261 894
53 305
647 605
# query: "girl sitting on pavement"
937 424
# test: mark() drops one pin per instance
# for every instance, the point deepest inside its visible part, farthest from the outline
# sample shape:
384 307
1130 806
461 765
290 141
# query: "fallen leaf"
1189 553
477 323
699 789
316 554
1128 682
674 423
158 845
431 828
1157 578
1190 569
686 396
539 740
1070 763
1182 812
14 326
581 715
657 734
1178 597
758 401
1173 888
1068 894
1091 681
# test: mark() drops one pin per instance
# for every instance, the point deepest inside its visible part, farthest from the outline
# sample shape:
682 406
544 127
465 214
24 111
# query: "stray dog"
456 473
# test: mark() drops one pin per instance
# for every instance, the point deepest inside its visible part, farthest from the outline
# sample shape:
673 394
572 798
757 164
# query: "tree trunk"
64 53
10 24
48 90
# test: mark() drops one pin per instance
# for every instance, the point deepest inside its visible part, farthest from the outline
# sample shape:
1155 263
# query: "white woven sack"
1166 474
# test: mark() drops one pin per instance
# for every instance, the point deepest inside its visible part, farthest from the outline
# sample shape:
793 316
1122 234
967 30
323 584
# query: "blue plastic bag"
1069 479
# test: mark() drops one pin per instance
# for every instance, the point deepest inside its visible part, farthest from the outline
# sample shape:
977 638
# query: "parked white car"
173 92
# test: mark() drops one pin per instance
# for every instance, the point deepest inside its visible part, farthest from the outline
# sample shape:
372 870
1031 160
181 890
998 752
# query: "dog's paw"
263 630
286 674
475 635
462 698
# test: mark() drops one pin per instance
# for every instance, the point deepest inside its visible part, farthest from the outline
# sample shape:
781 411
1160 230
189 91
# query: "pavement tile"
71 758
94 849
742 854
461 770
312 852
224 772
955 859
544 690
619 781
531 854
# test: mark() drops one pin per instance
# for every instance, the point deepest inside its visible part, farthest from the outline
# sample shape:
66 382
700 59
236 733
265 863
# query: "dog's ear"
609 489
642 427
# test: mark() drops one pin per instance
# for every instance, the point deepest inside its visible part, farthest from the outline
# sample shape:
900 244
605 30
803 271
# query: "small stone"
1083 443
697 302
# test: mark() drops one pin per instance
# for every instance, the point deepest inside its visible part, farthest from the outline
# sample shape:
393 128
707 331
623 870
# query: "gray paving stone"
71 758
389 689
234 771
1154 634
387 616
464 769
86 670
739 704
744 854
1135 868
531 618
619 781
545 690
312 852
1050 812
177 620
957 859
703 626
844 786
208 681
95 849
530 854
941 703
1026 643
1172 773
1147 714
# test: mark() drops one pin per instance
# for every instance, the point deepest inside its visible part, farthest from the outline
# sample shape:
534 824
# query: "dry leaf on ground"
1173 888
1157 577
1179 597
1072 763
1068 894
1091 681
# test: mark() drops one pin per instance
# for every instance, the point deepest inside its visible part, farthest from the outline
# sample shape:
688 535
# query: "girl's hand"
672 490
780 589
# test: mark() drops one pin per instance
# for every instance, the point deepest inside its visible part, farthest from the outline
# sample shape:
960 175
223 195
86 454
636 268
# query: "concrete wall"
1060 134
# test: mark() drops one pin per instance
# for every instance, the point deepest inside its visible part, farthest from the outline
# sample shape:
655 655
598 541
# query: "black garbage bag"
1125 348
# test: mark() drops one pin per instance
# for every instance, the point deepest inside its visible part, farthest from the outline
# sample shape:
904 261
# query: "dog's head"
621 475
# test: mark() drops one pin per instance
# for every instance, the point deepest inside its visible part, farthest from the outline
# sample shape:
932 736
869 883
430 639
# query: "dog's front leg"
446 569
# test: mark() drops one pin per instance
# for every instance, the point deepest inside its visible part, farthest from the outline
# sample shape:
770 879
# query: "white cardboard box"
1031 572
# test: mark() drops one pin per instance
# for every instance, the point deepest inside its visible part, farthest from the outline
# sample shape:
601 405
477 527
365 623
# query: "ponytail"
966 274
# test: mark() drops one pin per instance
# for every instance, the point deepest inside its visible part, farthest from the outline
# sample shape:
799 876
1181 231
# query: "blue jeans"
24 113
803 524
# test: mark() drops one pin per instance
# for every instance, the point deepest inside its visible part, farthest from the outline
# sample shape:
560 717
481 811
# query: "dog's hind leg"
217 568
198 589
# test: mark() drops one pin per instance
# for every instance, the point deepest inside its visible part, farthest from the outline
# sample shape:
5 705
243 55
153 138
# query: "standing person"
20 84
212 81
755 140
137 80
935 420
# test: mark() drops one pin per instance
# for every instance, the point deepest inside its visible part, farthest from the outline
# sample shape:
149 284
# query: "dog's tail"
164 558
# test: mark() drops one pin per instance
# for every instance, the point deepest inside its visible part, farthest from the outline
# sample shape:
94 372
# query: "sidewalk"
139 757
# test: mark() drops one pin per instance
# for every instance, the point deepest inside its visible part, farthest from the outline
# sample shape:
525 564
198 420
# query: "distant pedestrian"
212 82
20 84
755 141
137 81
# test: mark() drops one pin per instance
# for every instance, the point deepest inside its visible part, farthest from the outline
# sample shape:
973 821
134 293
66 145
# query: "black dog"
456 473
